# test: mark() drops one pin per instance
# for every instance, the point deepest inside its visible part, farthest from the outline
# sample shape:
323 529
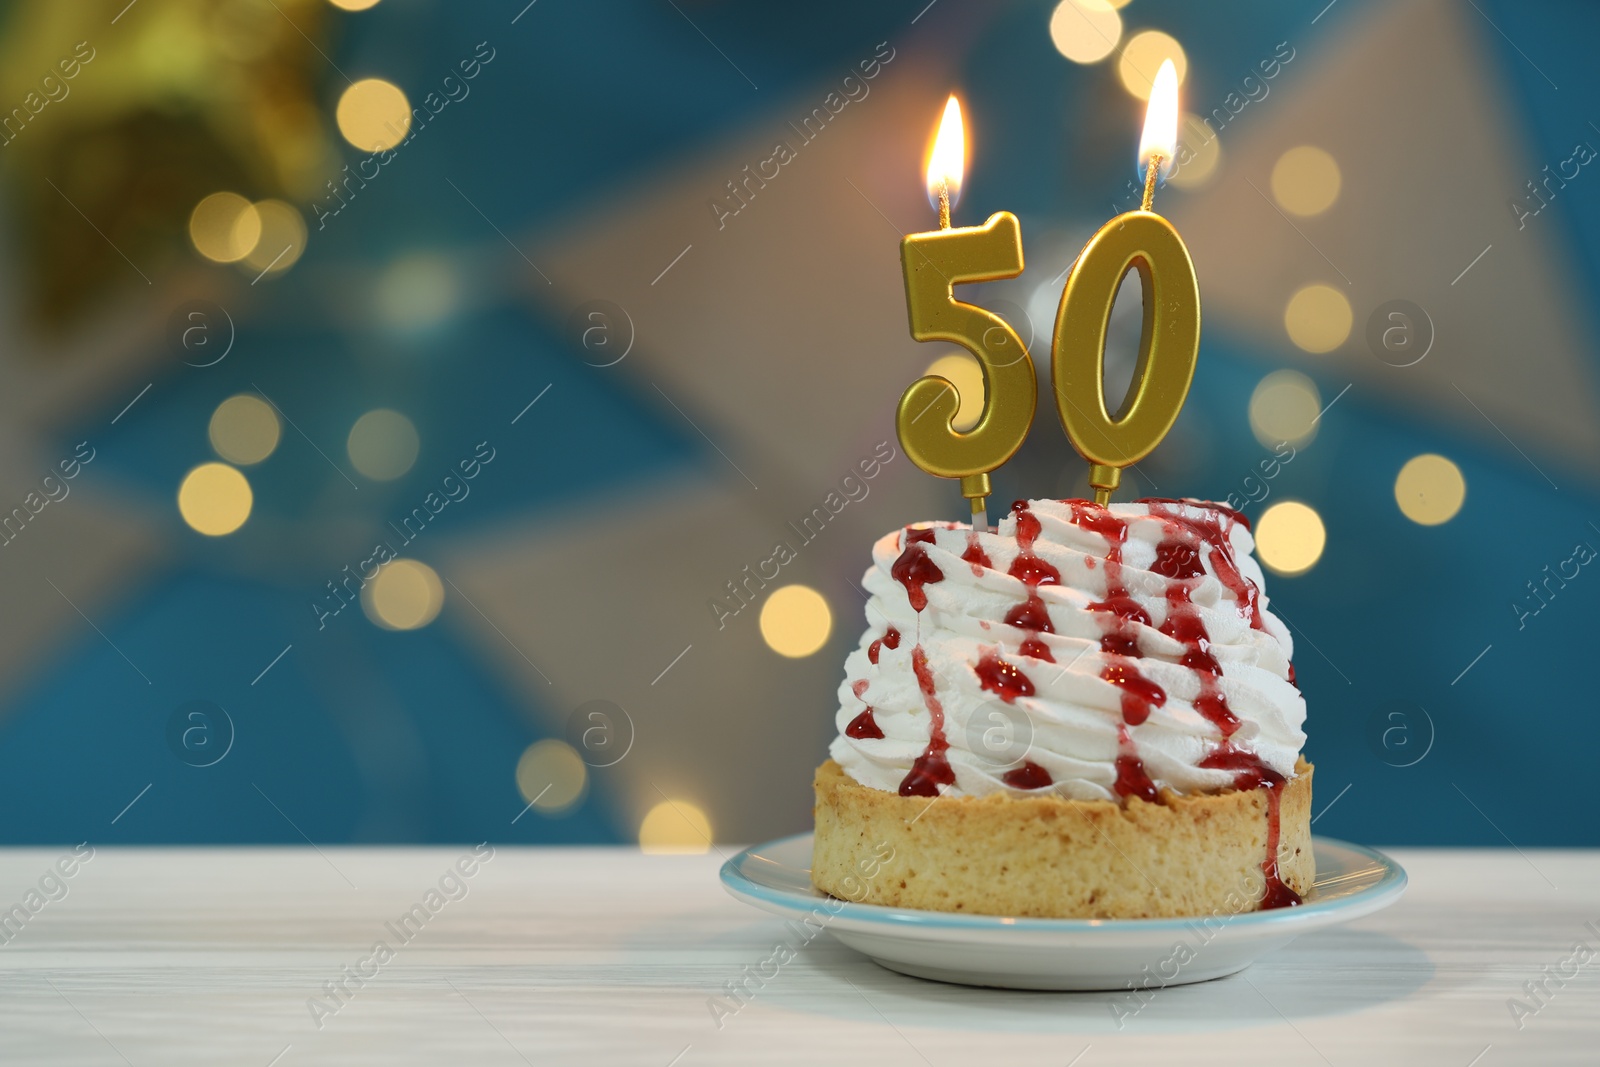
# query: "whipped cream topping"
1095 652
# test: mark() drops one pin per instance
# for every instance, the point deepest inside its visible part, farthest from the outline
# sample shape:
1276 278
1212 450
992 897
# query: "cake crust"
1051 857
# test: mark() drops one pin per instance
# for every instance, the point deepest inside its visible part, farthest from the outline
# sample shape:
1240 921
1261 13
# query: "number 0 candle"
934 262
1170 340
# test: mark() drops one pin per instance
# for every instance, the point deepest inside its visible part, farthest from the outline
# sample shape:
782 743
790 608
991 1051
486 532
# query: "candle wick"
1151 172
944 203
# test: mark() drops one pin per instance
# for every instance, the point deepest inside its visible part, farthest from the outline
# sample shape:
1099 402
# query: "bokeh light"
1430 489
1318 318
1143 56
406 595
1290 537
962 371
1086 31
795 621
383 444
1284 407
1305 180
354 5
244 429
224 227
551 776
282 240
374 114
1205 153
416 292
675 826
215 499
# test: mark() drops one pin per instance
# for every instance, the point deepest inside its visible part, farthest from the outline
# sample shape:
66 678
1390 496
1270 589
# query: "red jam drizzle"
863 726
1139 694
1031 614
1251 773
1178 558
931 769
1028 776
1034 648
1132 781
1027 567
1204 528
1119 637
1098 519
1185 625
975 556
858 687
914 569
1277 894
890 638
1002 678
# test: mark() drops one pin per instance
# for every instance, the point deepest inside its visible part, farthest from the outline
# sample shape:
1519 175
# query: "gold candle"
1170 340
933 263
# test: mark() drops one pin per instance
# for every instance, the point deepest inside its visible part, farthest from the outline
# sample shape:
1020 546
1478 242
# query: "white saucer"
1010 953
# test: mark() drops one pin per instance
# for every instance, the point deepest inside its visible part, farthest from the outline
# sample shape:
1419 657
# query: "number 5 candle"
933 263
1170 340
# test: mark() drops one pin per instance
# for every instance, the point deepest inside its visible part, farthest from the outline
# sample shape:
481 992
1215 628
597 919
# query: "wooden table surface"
604 956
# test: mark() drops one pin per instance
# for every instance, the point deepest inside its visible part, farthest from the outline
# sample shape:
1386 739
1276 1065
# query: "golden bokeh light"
1142 58
1305 180
224 227
354 5
406 595
1290 537
795 621
244 429
962 371
1086 31
551 776
383 444
282 240
1430 489
1284 407
675 826
1318 318
1203 157
215 499
374 114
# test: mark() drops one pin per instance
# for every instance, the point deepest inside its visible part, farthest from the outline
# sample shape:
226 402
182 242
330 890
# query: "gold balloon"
1168 345
933 263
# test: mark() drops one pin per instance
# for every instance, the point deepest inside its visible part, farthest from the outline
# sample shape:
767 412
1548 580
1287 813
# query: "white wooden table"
603 956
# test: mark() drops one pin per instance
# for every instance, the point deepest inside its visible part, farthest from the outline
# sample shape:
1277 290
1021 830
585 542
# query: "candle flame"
1161 120
947 162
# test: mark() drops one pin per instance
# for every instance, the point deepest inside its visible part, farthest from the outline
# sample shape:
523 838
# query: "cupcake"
1090 713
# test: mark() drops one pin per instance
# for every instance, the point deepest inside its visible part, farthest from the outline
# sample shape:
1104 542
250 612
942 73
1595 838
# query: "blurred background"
394 393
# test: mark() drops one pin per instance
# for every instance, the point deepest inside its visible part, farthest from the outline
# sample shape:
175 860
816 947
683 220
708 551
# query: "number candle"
933 263
1170 340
